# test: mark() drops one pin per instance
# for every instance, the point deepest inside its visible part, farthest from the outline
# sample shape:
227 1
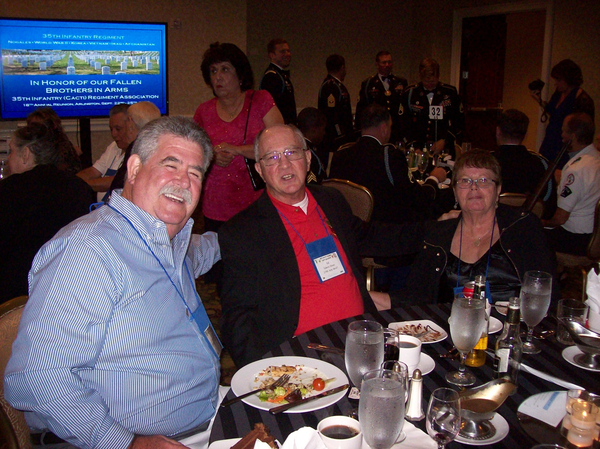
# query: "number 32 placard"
436 112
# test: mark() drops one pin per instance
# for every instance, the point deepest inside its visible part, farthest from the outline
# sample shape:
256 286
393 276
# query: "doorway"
496 52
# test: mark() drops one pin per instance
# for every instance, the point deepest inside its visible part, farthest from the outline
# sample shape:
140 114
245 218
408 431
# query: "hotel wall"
409 29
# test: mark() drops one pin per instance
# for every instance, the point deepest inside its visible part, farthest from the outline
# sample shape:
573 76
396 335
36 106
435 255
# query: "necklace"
237 106
477 240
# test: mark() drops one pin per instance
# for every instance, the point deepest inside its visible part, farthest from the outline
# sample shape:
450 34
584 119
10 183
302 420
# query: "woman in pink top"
232 120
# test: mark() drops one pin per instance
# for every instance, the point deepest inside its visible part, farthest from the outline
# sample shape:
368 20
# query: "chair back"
517 200
12 422
359 197
547 192
341 147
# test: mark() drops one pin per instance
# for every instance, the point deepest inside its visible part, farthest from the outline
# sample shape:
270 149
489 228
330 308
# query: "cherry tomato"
318 384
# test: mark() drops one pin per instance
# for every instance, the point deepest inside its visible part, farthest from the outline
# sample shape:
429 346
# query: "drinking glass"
443 416
402 370
381 408
364 349
535 300
467 321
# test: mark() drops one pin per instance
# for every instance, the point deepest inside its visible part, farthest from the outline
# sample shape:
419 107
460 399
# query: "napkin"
549 378
308 438
593 301
415 438
303 438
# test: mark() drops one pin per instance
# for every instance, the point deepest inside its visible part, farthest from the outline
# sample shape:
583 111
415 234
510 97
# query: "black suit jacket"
261 287
401 202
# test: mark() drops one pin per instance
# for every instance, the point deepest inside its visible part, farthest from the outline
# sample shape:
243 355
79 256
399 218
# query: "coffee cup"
410 351
340 432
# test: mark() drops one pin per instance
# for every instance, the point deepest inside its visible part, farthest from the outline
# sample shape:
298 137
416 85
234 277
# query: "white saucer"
569 354
495 325
501 307
426 364
501 426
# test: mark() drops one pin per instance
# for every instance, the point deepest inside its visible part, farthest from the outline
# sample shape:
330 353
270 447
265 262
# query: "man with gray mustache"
115 349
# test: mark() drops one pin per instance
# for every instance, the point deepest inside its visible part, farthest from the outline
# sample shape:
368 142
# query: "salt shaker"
414 408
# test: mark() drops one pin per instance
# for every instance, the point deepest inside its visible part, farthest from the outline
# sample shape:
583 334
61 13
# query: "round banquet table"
238 419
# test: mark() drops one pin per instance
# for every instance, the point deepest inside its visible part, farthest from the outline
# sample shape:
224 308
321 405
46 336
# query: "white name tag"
436 112
329 266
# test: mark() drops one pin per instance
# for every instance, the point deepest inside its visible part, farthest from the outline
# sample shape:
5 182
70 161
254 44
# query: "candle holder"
583 424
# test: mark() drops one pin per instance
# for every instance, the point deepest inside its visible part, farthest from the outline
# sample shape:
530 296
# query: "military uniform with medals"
278 83
334 102
416 124
372 90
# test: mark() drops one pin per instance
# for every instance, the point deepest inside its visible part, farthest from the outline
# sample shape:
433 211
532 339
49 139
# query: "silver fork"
425 332
278 383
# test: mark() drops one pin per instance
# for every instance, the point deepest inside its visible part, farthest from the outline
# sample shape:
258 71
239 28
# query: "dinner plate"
403 326
569 354
501 426
495 325
244 380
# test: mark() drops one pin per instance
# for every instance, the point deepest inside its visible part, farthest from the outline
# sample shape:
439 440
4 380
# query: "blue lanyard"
203 315
489 253
292 226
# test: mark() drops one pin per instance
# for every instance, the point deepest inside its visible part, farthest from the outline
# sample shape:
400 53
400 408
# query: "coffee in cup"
410 351
340 432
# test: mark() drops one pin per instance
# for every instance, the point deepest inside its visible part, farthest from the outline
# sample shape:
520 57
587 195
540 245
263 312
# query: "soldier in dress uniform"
312 123
431 112
383 88
276 79
334 102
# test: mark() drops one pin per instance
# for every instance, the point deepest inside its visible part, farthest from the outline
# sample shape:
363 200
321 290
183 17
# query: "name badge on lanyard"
201 319
325 258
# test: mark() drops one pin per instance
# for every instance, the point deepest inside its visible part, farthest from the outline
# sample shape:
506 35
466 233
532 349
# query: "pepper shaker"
414 407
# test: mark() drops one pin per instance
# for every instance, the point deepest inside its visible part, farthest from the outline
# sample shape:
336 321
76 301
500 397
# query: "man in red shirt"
292 258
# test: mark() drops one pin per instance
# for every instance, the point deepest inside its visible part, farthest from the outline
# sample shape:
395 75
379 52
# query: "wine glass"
381 408
536 292
364 349
443 416
423 163
467 321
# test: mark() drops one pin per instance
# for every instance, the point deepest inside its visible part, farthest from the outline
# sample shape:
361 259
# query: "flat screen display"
81 69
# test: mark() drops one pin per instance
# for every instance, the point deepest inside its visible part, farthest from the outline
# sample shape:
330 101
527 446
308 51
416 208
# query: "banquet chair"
517 200
340 148
361 202
13 427
592 256
359 198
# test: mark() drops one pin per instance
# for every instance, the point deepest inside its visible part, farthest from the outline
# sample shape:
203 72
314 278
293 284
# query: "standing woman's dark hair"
228 53
568 71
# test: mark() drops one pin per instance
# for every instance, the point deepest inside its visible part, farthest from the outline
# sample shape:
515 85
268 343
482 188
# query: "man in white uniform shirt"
579 188
100 175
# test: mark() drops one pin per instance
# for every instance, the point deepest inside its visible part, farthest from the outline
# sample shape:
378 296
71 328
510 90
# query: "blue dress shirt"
106 348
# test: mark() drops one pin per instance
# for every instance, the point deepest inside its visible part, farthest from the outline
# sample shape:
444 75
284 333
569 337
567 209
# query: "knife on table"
318 347
284 407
